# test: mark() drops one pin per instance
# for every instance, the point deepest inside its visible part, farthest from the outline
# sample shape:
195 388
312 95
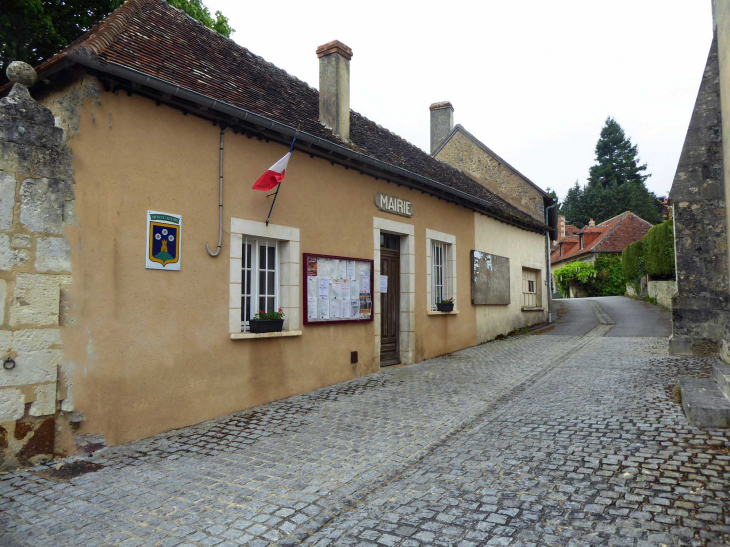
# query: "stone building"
456 146
153 126
701 307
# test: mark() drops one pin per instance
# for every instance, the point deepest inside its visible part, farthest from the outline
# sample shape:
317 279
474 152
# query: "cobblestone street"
532 440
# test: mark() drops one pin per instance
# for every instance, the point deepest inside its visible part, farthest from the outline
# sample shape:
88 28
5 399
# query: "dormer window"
581 242
561 249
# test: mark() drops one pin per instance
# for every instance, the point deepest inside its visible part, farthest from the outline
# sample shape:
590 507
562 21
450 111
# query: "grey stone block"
703 402
721 376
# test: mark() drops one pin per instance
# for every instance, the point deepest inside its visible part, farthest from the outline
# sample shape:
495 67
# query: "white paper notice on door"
383 283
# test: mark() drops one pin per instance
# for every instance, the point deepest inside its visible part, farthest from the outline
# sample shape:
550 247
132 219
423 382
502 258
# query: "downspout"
220 200
547 266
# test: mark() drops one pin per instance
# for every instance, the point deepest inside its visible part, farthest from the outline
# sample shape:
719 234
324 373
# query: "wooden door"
390 302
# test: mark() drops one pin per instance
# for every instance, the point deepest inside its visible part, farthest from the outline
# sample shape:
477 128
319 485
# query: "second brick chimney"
334 87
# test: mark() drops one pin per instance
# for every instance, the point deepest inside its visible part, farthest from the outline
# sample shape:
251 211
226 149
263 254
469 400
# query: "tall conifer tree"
616 183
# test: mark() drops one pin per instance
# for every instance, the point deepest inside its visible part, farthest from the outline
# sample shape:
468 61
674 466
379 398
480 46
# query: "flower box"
445 306
260 326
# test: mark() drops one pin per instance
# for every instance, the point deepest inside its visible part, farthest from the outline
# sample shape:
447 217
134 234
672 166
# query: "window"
561 249
259 278
264 275
530 296
439 273
581 242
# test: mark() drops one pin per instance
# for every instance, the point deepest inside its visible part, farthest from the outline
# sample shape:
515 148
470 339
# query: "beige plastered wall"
524 250
151 349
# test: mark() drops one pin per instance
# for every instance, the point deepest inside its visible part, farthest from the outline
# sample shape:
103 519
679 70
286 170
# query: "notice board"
490 279
339 289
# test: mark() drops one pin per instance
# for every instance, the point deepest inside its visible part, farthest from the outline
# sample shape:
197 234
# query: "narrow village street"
541 439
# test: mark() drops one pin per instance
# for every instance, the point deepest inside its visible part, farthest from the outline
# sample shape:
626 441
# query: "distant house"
564 230
611 236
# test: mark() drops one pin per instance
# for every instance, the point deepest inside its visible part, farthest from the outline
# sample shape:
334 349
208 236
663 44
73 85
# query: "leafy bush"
659 251
609 280
634 265
579 273
602 278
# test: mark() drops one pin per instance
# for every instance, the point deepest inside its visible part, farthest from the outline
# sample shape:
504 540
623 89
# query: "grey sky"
532 79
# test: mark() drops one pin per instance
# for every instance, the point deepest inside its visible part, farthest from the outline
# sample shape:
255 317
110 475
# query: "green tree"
618 159
616 183
573 207
34 30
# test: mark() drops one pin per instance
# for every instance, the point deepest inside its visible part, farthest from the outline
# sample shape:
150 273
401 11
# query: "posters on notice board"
338 289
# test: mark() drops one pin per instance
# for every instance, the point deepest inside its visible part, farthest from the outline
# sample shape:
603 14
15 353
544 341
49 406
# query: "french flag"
273 175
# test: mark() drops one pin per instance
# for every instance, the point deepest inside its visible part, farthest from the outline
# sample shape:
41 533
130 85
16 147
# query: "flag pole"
291 149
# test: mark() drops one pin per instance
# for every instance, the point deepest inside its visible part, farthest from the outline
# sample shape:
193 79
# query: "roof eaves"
173 90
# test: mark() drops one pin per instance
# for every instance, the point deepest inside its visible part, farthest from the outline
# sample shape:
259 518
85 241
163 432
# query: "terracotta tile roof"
571 230
152 37
611 236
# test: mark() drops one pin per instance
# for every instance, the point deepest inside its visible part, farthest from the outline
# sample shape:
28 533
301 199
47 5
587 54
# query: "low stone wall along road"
533 440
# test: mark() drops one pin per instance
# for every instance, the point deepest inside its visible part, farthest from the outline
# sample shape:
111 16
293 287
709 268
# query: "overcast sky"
532 79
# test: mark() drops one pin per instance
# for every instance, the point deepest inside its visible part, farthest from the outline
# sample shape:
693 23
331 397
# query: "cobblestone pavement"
532 440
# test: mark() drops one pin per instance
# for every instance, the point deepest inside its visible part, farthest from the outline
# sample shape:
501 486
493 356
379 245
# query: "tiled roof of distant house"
611 236
157 40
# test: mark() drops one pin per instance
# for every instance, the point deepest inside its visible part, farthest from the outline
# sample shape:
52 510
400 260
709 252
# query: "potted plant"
445 305
267 322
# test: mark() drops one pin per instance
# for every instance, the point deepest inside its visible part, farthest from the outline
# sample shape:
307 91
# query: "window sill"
533 309
259 335
434 312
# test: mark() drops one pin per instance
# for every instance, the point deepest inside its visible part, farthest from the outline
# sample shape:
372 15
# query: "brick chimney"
442 122
592 223
334 87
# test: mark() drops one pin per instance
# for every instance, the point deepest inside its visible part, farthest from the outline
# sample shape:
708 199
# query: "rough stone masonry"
36 206
701 306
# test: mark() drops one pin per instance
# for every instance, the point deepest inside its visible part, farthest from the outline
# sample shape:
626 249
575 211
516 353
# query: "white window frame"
439 272
531 298
287 281
254 291
447 243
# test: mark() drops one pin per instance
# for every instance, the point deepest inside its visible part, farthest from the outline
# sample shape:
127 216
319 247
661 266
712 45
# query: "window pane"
262 257
271 264
248 254
247 281
270 284
262 282
262 303
270 304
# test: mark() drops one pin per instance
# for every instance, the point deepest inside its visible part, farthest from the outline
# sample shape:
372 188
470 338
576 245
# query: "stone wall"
462 152
700 307
663 291
36 204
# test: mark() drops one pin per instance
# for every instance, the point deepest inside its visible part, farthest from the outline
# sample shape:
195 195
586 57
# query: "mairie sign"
394 205
164 238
